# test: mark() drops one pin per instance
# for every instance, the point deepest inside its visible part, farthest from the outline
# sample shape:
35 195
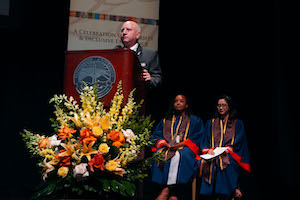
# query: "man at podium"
151 73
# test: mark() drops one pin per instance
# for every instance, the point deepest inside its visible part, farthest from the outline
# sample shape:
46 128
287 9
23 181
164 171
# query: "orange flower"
86 136
65 132
44 143
89 140
117 138
64 160
85 132
97 161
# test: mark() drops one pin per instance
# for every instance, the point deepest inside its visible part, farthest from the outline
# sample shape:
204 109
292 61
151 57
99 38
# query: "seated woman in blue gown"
220 174
178 137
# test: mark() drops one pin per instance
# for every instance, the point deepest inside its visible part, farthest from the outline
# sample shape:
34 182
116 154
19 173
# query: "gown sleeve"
239 149
157 138
195 134
205 143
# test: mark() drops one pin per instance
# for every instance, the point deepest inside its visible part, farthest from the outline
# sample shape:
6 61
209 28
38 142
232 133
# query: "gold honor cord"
221 141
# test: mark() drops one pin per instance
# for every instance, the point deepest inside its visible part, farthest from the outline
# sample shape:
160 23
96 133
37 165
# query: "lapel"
139 51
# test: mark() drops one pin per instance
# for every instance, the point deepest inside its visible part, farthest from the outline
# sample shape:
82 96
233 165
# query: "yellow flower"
76 120
119 171
88 121
103 148
111 165
50 157
87 151
105 122
63 171
97 131
70 150
46 152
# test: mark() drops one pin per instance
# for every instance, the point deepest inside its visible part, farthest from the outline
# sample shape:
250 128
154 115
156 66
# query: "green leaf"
78 191
90 188
124 187
105 184
115 185
129 187
46 191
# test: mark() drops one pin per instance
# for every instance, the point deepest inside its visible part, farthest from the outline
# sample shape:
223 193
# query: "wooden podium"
107 67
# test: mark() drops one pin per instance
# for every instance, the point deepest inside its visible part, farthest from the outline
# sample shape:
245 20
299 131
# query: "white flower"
53 141
81 170
128 133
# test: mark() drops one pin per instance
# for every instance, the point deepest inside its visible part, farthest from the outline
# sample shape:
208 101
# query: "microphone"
119 47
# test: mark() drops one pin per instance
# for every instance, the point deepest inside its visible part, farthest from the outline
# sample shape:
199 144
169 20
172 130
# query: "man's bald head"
130 33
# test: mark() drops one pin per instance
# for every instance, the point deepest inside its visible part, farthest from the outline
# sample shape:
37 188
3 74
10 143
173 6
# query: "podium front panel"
107 67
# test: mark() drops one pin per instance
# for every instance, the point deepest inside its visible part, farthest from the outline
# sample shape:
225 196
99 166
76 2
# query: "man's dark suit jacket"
150 61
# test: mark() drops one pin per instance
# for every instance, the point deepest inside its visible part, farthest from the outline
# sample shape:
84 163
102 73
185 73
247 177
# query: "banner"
96 24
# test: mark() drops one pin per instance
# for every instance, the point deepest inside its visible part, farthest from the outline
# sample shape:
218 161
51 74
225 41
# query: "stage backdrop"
96 24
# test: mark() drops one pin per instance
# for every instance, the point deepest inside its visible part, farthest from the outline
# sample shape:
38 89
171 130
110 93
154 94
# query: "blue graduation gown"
225 180
187 167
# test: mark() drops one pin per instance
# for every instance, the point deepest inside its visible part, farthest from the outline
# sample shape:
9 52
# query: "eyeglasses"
222 105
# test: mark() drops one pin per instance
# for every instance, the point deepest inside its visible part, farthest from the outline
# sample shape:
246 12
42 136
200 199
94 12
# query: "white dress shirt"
135 47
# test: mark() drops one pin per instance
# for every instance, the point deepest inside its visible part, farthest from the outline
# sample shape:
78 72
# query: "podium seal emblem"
95 69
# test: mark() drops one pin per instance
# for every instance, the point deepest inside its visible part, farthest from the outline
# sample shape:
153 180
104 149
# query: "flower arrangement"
93 149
